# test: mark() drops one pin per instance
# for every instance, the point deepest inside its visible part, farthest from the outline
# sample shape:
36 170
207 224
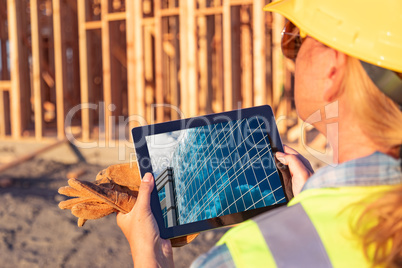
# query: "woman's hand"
142 232
299 167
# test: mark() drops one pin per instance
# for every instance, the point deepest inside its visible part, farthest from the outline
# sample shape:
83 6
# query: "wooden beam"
36 69
20 88
277 59
91 25
184 90
106 65
115 16
192 59
169 12
259 52
243 2
135 68
5 85
139 59
86 119
209 11
148 21
227 56
159 74
203 58
59 68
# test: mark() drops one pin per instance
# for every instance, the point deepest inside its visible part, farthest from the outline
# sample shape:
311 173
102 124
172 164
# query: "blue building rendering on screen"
218 170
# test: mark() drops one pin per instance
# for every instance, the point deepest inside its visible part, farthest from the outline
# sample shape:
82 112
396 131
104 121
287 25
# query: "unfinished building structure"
97 68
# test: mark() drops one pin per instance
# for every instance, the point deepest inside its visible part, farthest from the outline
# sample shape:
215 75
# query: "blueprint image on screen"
214 170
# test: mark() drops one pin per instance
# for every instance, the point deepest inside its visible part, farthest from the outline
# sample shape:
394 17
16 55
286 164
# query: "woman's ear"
334 76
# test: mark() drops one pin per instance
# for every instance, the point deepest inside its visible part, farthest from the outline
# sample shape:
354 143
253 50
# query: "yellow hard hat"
365 29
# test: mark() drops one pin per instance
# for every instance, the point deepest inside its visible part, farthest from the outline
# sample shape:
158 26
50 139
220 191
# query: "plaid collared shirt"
375 169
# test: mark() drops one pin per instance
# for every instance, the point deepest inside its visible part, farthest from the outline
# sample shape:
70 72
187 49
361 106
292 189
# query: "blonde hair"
383 239
380 119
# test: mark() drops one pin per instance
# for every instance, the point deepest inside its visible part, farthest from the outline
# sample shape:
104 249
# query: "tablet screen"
214 170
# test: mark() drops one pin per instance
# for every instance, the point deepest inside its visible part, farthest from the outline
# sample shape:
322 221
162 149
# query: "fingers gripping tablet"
212 171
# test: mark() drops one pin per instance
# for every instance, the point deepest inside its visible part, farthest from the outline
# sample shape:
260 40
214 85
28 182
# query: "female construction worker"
348 57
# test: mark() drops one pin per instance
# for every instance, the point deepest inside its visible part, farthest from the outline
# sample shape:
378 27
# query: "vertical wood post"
36 69
86 118
184 90
135 60
59 57
277 59
259 52
106 64
227 56
192 82
19 72
203 58
159 73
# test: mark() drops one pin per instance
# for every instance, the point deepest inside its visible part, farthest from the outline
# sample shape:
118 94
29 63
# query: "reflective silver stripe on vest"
292 238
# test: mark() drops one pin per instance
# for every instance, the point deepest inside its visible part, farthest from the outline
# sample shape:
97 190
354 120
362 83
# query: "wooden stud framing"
199 57
227 56
20 91
86 118
259 53
36 69
159 75
135 61
277 72
115 16
184 96
192 85
169 12
59 68
203 58
107 80
91 25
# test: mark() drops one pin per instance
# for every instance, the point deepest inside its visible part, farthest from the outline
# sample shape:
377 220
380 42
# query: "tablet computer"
212 171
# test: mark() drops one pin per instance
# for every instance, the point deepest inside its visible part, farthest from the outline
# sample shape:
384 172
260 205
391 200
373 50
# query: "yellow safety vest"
313 231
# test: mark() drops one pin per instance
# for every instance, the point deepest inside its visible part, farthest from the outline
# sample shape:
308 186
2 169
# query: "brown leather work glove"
115 189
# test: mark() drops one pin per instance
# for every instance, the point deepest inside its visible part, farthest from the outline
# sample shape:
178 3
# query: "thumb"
144 193
281 158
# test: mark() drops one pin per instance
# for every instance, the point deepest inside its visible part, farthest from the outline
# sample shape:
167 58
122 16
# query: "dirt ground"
34 232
